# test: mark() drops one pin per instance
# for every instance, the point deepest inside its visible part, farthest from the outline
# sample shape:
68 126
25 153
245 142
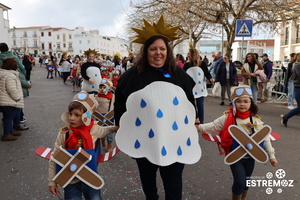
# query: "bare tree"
199 16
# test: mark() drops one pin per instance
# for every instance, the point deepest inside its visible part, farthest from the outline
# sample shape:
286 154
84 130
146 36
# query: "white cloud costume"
95 75
159 125
197 74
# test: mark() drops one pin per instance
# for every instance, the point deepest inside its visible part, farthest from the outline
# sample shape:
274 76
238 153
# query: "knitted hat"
89 102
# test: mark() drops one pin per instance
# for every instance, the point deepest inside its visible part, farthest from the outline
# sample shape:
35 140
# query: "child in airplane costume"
80 133
241 120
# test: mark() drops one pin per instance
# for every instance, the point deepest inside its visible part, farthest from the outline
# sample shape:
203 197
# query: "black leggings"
241 171
65 75
171 176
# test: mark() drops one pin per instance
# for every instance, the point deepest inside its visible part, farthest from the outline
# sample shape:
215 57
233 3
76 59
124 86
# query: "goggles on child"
84 96
240 91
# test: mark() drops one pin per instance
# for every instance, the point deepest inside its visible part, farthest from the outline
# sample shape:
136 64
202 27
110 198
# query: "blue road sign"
243 28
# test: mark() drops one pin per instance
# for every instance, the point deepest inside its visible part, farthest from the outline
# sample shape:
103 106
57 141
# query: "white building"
55 40
287 40
4 23
26 40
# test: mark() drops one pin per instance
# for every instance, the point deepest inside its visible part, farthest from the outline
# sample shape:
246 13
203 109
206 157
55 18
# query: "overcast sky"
107 16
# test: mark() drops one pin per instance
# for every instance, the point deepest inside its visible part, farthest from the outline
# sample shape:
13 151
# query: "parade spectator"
264 86
251 65
81 131
88 83
28 66
26 85
180 62
218 62
296 77
212 67
4 52
155 63
243 111
288 83
195 61
55 65
65 67
11 98
116 61
205 59
226 75
41 61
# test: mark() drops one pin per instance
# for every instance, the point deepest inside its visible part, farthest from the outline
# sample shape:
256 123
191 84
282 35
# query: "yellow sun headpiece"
90 51
191 46
117 54
159 28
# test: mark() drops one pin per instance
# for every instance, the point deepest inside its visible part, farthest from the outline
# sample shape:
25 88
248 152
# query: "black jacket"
132 81
221 74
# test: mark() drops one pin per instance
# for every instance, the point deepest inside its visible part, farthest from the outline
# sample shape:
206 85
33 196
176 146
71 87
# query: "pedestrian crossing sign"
243 28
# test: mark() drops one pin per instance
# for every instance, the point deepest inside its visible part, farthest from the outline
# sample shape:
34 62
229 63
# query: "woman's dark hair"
26 57
10 63
254 60
180 57
116 60
76 105
141 62
3 47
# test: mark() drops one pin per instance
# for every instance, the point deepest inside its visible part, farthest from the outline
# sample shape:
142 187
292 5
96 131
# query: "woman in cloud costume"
154 108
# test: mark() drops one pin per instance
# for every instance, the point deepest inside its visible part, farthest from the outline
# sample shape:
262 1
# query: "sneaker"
16 133
222 103
21 127
8 138
23 121
291 107
283 121
263 100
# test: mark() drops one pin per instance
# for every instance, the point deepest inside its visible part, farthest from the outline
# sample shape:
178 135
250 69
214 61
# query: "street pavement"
24 175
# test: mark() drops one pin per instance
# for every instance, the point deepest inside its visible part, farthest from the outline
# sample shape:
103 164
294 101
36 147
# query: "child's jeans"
75 191
50 73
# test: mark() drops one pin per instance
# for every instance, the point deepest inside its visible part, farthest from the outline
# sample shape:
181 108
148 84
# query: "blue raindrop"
151 133
159 114
174 126
196 93
93 86
138 122
202 90
186 120
199 82
137 144
179 151
163 151
175 101
96 75
199 74
188 142
143 103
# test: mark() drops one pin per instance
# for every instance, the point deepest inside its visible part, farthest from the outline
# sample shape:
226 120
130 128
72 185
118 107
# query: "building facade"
287 40
4 23
46 40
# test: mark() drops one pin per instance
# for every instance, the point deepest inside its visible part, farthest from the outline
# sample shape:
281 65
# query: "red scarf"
83 133
109 95
226 140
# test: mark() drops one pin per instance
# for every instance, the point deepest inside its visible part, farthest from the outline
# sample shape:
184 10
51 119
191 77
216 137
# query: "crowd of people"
106 84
